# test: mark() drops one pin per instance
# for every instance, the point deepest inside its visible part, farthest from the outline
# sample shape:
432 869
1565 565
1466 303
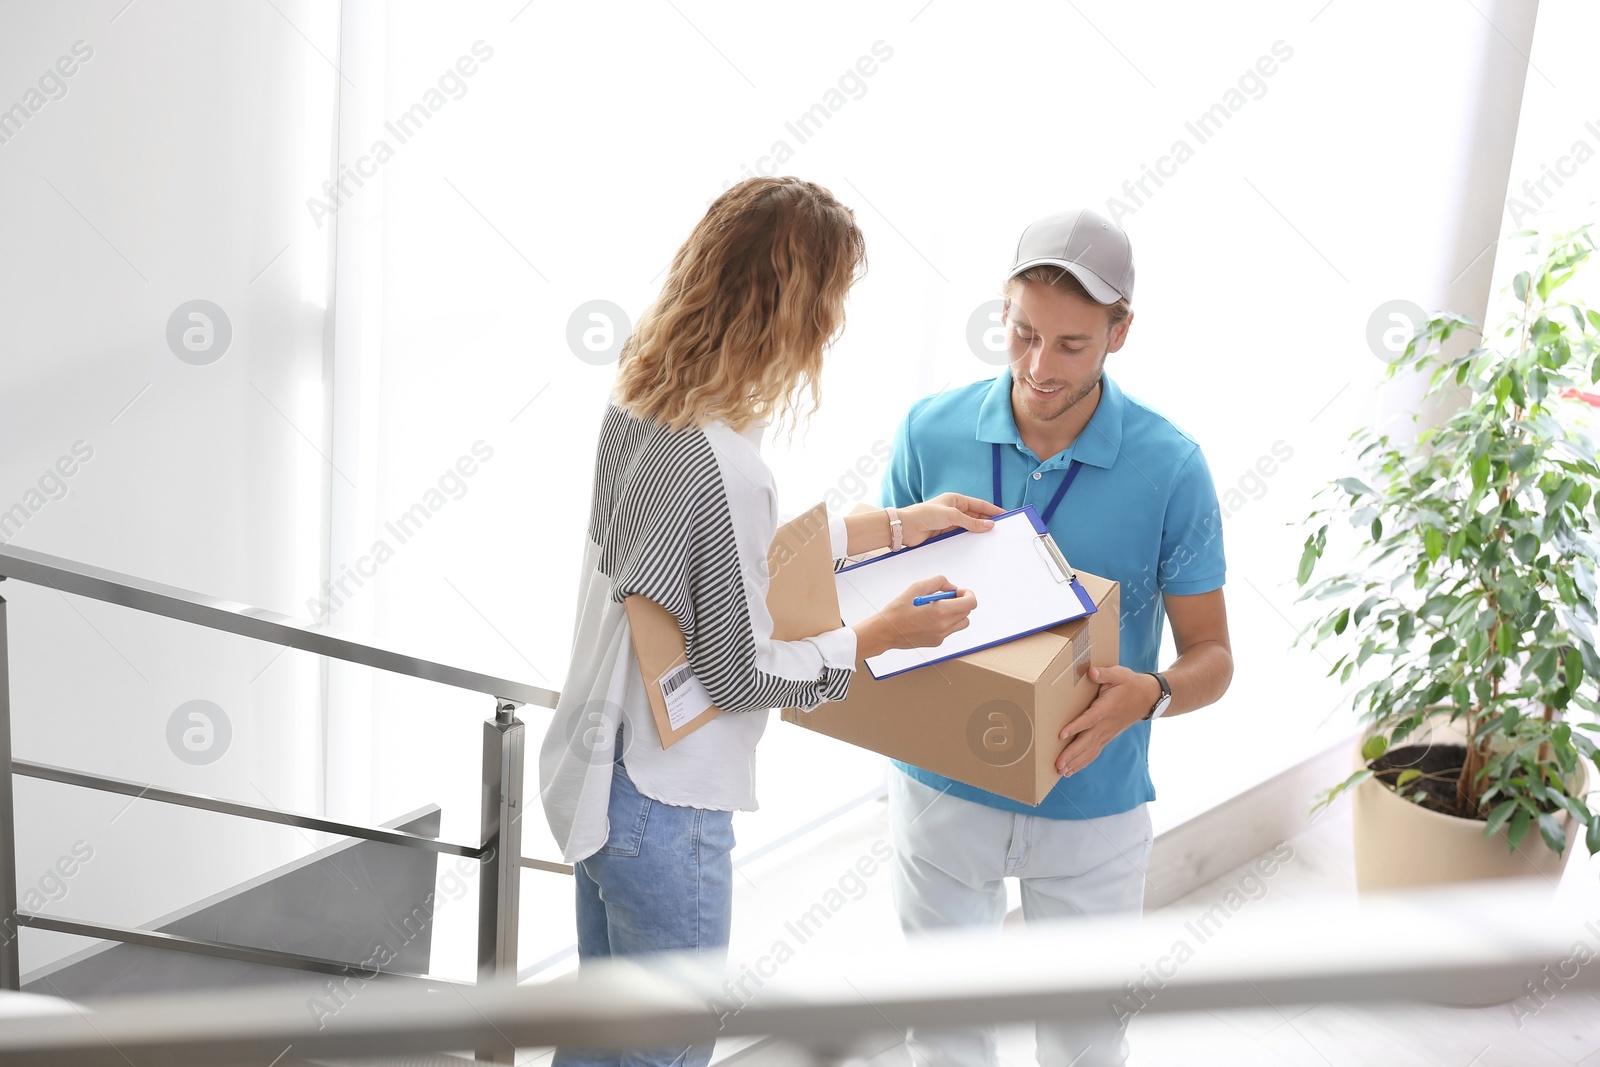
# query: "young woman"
683 512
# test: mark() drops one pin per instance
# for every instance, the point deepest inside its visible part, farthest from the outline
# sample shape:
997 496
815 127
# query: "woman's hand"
902 624
945 512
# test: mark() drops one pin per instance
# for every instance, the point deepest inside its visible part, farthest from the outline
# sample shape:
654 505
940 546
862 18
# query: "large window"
519 176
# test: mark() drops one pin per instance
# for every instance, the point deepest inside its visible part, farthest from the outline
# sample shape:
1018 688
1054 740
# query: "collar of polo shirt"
1096 446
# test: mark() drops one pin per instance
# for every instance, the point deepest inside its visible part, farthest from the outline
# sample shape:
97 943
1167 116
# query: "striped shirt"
684 518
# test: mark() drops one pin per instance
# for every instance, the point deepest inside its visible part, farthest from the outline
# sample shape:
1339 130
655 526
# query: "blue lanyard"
1055 501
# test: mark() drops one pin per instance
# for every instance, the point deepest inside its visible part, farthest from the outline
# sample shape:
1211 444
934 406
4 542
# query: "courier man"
1128 496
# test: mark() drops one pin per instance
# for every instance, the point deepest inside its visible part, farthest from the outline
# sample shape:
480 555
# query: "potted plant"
1468 609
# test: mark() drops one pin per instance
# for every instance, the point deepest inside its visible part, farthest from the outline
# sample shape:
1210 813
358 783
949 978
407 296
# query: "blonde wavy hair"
753 299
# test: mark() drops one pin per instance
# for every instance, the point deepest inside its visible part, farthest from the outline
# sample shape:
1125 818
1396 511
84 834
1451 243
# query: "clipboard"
1023 581
801 598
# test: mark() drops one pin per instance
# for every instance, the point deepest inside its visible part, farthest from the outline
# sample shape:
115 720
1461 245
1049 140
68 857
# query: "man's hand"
1125 697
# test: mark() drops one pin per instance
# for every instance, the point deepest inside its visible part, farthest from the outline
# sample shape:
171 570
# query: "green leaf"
1519 826
1364 609
1544 665
1406 777
1308 560
1438 604
1480 463
1433 543
1554 834
1377 529
1498 817
1538 385
1563 491
1355 487
1375 746
1572 664
1328 796
1526 547
1341 621
1519 285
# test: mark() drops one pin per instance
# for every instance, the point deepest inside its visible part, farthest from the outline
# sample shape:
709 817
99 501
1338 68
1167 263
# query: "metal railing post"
502 835
500 879
10 961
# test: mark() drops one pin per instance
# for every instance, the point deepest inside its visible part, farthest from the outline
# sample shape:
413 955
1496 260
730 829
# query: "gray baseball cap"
1086 244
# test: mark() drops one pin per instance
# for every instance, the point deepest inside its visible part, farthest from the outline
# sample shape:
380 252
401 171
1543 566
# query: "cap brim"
1093 284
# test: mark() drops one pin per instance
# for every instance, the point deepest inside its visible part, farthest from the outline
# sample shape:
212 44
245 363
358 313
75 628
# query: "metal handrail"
500 851
145 791
1441 944
113 587
271 957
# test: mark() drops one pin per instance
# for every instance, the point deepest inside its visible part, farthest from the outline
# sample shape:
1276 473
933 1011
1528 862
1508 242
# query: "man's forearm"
1199 677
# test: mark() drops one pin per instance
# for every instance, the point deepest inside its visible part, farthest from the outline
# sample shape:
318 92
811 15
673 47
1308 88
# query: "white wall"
173 168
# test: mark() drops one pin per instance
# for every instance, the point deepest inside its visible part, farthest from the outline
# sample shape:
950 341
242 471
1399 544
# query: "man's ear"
1119 333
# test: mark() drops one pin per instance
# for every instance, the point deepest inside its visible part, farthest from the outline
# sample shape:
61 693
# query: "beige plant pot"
1401 845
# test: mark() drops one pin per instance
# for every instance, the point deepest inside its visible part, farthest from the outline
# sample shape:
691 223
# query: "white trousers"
951 861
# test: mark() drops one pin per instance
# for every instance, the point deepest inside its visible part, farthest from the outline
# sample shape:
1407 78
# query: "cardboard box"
990 718
801 597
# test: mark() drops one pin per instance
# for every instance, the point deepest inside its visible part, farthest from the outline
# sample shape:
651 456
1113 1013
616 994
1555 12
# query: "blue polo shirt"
1142 511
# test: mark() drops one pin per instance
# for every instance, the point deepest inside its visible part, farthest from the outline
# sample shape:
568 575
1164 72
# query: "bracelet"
895 542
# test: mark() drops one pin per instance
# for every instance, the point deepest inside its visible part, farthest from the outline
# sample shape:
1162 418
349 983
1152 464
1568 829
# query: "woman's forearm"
868 530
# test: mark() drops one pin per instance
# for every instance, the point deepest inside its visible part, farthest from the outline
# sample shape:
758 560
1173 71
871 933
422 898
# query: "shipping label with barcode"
1080 662
685 697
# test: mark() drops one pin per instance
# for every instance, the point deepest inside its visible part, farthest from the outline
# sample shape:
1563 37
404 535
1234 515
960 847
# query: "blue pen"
924 601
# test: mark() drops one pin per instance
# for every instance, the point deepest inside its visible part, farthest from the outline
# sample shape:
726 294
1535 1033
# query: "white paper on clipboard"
1022 581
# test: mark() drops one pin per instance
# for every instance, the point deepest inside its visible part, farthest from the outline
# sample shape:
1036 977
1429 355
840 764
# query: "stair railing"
499 850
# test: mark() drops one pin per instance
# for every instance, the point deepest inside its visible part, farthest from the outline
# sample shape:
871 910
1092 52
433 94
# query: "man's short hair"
1063 281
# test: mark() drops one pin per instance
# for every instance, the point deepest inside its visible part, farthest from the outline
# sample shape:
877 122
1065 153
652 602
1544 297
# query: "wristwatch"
1162 702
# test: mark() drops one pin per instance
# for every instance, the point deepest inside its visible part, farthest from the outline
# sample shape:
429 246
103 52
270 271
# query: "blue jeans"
663 882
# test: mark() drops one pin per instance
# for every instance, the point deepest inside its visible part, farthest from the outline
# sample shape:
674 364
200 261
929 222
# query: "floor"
844 871
1564 1030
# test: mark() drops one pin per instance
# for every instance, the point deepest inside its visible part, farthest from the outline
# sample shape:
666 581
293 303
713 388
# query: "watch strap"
1161 701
